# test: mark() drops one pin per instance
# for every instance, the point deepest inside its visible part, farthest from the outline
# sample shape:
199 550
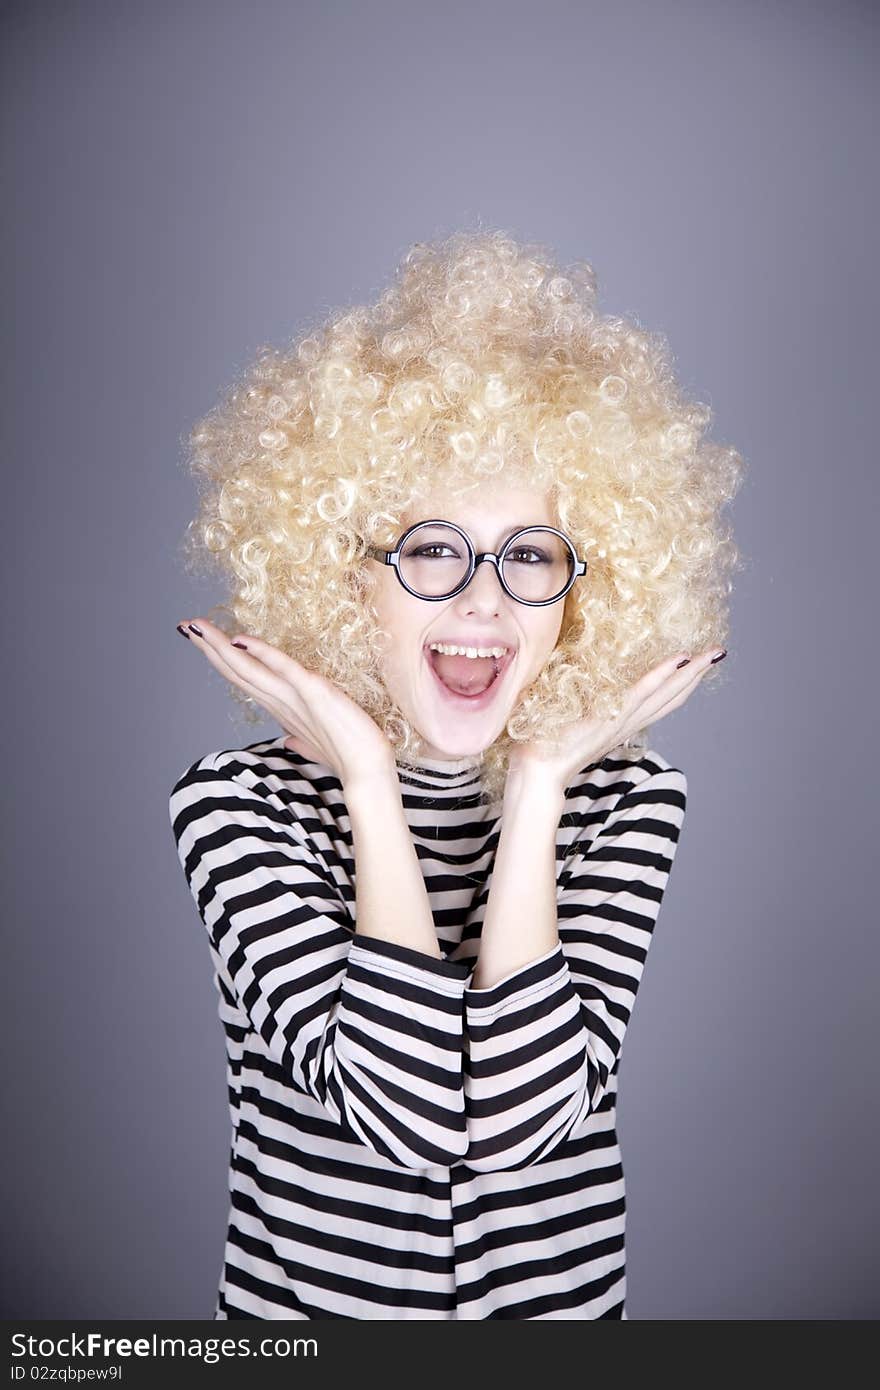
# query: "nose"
485 592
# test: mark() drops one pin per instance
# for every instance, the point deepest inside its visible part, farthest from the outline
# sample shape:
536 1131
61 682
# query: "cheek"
384 603
399 648
543 639
400 666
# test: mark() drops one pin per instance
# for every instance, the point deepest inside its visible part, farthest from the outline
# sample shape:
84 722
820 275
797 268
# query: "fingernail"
679 664
243 645
182 631
193 627
719 657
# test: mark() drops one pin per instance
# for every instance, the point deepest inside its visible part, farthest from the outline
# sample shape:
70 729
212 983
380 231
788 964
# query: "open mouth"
469 682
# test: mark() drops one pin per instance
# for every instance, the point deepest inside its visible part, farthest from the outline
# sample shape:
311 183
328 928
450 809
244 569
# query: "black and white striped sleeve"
542 1042
370 1029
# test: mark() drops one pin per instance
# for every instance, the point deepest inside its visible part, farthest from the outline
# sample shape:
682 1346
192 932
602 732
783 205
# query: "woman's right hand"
323 723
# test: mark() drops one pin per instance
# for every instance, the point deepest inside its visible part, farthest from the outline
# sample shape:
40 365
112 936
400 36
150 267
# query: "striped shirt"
404 1145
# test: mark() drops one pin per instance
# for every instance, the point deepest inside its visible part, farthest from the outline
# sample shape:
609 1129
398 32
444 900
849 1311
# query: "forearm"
391 900
520 924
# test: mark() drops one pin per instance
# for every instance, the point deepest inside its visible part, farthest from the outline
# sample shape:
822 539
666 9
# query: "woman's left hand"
660 691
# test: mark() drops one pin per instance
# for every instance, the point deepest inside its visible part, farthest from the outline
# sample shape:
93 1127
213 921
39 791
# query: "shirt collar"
433 774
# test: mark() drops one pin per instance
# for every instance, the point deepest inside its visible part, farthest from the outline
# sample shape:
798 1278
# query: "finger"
274 660
668 700
271 671
307 690
307 750
664 682
310 685
654 682
244 667
206 637
301 740
670 705
226 661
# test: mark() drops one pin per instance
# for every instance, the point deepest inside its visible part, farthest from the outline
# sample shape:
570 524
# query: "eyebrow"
513 531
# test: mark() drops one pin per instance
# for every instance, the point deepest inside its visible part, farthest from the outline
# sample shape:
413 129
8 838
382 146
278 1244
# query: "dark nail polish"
682 663
720 657
240 644
197 630
183 632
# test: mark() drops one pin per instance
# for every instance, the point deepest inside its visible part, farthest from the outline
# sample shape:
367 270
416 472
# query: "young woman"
477 552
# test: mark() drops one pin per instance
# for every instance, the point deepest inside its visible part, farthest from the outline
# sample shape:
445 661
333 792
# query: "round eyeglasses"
436 559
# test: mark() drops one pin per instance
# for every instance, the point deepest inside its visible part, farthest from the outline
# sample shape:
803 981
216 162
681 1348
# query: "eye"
529 555
430 550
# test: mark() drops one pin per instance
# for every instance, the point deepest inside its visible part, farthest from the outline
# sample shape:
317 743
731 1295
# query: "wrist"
366 787
540 788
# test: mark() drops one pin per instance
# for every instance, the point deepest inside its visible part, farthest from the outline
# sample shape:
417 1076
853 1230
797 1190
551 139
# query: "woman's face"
454 723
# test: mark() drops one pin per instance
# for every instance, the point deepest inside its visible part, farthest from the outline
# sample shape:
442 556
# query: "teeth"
446 649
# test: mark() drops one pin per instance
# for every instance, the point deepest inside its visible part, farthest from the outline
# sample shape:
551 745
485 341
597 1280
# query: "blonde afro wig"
483 357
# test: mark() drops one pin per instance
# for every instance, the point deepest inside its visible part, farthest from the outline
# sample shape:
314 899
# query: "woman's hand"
323 723
660 691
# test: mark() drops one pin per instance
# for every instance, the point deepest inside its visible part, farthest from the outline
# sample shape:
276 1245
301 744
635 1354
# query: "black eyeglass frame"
392 557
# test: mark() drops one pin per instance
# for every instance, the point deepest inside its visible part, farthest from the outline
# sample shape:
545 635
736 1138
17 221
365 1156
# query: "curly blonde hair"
483 355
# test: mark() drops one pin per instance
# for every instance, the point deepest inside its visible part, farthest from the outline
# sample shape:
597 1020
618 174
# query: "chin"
463 725
465 745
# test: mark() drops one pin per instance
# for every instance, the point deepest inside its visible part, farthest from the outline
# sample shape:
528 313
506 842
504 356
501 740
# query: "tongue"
465 675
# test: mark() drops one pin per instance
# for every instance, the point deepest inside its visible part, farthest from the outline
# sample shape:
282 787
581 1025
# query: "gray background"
185 182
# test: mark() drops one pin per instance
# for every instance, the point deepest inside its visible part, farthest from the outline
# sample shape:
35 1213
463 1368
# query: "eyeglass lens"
434 561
